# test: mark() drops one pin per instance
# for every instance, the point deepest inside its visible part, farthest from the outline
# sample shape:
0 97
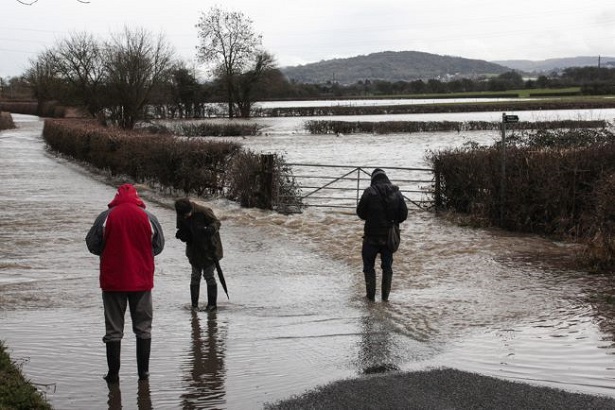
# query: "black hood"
379 177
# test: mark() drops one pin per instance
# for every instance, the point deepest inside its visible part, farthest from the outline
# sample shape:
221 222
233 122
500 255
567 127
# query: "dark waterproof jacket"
201 233
126 237
380 206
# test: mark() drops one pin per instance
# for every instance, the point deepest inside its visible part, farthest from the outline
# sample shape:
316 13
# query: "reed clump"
396 127
209 129
556 183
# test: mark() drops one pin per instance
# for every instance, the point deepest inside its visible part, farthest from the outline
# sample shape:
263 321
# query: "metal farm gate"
341 186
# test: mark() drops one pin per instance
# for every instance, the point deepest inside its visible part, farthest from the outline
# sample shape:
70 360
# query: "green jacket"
201 233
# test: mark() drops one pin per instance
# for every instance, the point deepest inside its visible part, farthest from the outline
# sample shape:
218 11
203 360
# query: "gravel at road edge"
440 389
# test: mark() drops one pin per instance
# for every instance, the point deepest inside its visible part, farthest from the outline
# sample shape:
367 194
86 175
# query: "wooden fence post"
266 186
437 187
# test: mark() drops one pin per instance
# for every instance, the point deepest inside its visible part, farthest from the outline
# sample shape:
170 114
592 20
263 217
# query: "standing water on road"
486 301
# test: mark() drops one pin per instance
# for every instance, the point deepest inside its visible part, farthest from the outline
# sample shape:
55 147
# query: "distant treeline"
187 98
557 183
589 80
586 81
391 127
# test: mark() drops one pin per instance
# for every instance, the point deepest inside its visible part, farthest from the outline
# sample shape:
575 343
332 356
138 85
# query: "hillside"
391 66
556 63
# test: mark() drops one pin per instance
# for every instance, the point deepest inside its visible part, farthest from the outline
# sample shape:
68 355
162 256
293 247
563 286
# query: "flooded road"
486 301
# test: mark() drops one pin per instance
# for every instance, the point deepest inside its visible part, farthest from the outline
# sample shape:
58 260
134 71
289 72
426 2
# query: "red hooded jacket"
127 259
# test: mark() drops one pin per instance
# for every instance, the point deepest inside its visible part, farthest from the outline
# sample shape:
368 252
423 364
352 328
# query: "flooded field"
491 302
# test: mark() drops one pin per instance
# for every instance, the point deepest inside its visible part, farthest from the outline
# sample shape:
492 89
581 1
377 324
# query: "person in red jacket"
126 237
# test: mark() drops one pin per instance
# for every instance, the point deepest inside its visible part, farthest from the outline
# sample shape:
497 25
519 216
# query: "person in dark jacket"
380 206
126 237
199 228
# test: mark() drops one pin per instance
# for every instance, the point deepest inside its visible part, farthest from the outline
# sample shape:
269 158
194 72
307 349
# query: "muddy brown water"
485 301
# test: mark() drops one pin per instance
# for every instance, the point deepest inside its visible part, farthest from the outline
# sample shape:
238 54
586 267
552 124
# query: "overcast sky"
301 32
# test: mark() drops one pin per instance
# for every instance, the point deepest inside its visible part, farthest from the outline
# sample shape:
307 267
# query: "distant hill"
556 64
391 66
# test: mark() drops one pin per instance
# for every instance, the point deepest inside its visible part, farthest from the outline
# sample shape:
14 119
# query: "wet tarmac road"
296 318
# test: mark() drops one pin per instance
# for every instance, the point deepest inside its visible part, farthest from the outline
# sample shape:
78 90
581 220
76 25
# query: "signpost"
507 119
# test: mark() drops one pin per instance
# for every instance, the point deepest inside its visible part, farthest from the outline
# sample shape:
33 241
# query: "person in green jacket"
199 228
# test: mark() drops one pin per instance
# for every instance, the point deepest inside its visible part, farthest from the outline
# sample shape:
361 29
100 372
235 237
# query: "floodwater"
376 102
496 303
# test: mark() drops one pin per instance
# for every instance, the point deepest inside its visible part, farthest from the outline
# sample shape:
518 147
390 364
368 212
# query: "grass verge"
16 392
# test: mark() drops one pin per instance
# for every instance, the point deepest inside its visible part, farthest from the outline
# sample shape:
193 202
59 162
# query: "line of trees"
116 80
591 80
112 80
179 94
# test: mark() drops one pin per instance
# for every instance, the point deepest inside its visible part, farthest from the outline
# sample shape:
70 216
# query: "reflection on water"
375 355
496 303
114 400
144 400
205 368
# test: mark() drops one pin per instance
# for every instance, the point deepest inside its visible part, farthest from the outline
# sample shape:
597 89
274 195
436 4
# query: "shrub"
244 179
252 175
556 183
193 166
6 121
601 237
20 107
50 109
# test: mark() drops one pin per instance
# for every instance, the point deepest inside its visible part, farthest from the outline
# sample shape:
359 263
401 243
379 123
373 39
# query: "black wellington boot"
370 285
113 361
143 350
387 278
194 295
212 297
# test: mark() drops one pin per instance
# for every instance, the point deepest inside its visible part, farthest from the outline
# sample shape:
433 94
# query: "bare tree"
135 64
188 93
78 60
246 82
229 44
45 81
